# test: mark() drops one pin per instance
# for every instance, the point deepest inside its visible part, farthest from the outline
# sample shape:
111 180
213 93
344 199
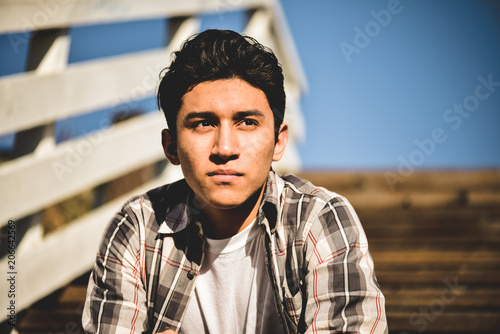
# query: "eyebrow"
199 114
247 113
212 115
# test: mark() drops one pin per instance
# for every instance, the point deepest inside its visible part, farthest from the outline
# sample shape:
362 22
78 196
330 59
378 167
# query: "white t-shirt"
233 293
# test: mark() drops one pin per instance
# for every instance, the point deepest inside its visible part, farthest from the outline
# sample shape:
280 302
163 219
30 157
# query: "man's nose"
226 145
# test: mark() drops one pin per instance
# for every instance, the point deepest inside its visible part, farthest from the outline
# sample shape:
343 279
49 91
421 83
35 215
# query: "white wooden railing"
44 173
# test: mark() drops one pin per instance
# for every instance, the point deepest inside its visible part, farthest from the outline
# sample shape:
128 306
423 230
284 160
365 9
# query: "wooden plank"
448 180
66 253
457 266
78 165
48 54
73 294
288 51
436 256
435 199
416 278
425 321
85 162
38 321
437 233
442 216
48 51
426 226
462 242
31 99
455 298
23 15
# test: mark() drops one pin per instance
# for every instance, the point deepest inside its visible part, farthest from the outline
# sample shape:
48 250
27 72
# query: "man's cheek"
263 142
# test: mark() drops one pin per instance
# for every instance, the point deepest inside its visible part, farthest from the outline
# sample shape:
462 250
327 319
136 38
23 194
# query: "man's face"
225 142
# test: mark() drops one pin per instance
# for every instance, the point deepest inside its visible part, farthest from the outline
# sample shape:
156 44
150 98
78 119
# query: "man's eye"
202 124
249 122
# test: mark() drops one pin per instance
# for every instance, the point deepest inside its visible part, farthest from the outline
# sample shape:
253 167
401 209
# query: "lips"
225 175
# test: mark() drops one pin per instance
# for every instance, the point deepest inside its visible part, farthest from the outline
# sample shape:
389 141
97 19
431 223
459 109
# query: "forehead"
225 96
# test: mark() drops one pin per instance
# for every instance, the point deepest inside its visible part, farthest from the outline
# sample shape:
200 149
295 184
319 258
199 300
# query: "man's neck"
225 223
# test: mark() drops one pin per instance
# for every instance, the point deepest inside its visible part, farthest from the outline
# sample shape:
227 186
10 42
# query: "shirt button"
191 274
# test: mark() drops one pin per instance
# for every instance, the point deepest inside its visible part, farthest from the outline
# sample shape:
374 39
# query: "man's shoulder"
309 207
303 187
168 193
157 202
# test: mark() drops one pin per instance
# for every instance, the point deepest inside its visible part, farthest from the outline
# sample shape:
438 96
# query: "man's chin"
231 201
226 204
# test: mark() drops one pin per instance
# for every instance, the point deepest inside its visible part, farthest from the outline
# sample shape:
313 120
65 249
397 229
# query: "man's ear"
280 145
169 143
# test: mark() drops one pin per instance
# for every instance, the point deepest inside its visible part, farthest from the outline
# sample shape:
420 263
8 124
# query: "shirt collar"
270 208
181 208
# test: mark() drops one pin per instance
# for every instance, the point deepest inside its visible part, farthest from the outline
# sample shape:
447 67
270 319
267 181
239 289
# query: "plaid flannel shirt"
317 259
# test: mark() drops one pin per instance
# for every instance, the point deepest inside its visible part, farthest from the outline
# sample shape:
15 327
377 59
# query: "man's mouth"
225 175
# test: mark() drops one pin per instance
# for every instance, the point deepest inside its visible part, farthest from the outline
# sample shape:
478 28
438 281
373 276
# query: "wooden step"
378 200
425 320
437 256
436 278
454 180
455 296
415 242
444 216
60 312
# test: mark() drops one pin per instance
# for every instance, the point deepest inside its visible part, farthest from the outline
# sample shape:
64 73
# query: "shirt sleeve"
343 295
116 298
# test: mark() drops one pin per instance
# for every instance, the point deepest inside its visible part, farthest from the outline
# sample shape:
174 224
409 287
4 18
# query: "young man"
233 247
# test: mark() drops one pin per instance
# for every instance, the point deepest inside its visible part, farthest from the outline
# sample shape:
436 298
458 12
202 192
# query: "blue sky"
388 81
398 86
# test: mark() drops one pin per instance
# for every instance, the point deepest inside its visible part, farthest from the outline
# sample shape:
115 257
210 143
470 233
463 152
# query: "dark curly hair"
221 54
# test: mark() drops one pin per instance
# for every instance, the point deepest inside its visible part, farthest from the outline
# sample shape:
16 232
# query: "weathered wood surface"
77 165
435 240
438 266
23 15
30 99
